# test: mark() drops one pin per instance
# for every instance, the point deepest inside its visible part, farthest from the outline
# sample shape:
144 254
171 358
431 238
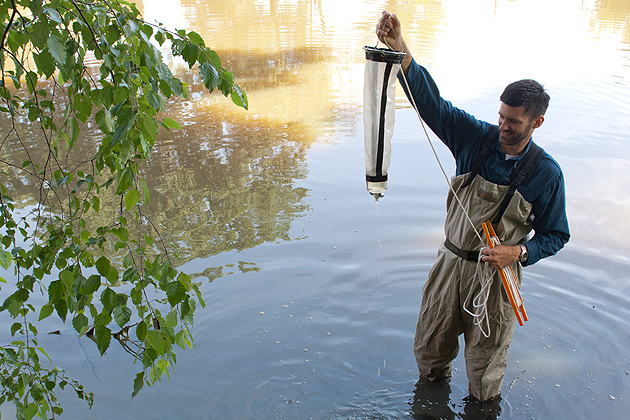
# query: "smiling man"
504 177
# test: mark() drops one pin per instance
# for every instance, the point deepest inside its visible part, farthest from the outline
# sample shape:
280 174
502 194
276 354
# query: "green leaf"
164 72
46 311
239 97
57 48
45 63
159 37
104 121
5 259
80 323
119 134
62 309
171 318
15 328
138 383
156 341
103 266
155 373
125 180
156 100
190 54
29 411
180 339
67 277
33 113
131 199
175 292
177 87
226 83
187 311
91 285
103 337
56 291
112 276
171 123
122 233
210 76
52 13
185 280
108 299
43 351
141 330
39 35
122 315
165 88
83 105
196 39
96 203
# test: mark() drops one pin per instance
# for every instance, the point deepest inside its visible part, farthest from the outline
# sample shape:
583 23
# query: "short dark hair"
528 93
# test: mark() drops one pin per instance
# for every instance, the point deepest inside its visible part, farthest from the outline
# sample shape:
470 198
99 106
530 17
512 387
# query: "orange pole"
489 232
522 307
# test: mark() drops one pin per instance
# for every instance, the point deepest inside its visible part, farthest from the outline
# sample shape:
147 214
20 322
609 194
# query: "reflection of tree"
256 71
271 26
28 137
225 184
613 14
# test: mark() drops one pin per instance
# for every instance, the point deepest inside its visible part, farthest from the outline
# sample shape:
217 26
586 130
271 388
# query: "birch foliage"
113 279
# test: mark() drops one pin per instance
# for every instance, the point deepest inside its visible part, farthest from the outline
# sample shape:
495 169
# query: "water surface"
312 289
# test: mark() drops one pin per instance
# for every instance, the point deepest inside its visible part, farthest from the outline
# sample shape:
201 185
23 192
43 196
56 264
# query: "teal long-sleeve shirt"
462 134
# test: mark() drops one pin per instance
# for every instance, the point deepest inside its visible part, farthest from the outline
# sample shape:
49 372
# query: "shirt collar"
503 156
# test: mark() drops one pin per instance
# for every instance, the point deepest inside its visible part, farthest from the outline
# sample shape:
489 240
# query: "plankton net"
381 68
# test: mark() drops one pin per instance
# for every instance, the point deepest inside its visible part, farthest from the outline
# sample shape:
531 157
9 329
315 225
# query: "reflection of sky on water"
281 186
473 49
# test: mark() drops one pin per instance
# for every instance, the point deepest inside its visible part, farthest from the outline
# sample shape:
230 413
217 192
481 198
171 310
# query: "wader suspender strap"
519 174
489 139
381 128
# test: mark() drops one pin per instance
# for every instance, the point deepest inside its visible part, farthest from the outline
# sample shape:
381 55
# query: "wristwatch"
524 253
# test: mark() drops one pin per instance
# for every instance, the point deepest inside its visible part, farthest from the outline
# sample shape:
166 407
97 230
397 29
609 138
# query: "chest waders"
442 318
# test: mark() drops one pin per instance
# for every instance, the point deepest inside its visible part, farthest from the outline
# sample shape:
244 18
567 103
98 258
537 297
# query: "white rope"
484 274
415 107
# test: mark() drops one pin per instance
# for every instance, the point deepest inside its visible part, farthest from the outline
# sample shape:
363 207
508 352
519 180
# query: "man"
504 177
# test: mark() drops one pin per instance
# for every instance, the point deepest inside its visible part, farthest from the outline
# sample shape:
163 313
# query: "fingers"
382 27
499 257
386 23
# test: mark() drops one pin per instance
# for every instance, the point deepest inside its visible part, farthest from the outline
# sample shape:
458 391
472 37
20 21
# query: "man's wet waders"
442 318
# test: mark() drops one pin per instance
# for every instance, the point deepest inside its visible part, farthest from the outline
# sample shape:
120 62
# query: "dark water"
312 289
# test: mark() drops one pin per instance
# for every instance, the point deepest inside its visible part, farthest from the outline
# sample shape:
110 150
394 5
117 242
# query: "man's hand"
388 31
501 255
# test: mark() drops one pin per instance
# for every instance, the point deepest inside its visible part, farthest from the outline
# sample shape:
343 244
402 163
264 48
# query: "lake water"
312 289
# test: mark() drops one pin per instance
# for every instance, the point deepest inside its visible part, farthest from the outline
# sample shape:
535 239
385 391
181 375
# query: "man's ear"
538 121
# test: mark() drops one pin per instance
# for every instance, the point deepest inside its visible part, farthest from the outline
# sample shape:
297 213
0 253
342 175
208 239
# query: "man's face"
515 125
